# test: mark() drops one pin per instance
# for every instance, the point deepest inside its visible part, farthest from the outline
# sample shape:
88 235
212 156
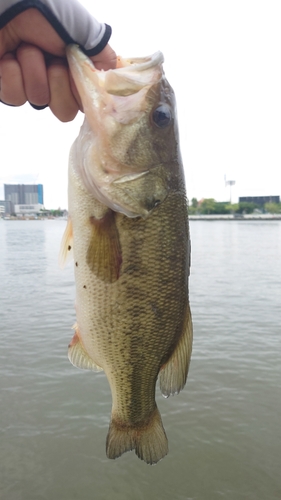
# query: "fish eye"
162 116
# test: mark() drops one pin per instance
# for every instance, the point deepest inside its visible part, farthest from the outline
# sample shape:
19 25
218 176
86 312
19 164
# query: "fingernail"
6 104
38 108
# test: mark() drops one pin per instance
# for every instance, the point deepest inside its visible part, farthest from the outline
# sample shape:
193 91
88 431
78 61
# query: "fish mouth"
142 63
117 93
130 76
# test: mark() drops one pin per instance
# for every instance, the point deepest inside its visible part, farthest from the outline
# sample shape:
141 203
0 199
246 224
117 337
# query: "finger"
106 59
33 28
12 87
34 74
62 101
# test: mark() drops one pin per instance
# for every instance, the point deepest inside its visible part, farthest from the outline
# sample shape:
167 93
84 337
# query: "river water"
224 429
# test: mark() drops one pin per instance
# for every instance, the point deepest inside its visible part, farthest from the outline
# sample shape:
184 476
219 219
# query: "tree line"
211 206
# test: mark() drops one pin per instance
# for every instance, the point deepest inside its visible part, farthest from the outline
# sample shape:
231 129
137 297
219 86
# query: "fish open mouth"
130 76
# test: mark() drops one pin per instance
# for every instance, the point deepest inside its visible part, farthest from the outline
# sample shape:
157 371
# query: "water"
224 428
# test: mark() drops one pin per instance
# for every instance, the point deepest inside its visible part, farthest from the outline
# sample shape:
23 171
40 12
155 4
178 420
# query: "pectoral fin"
66 248
174 373
104 253
79 357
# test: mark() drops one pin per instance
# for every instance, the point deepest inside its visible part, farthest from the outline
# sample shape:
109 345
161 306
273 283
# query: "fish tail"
149 441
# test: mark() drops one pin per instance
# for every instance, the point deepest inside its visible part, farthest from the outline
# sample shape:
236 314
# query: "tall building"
24 194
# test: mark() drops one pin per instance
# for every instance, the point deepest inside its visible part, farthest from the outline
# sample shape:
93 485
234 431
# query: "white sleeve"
69 18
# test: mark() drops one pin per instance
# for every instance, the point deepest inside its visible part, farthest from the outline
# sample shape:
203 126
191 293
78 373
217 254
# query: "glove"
69 19
33 66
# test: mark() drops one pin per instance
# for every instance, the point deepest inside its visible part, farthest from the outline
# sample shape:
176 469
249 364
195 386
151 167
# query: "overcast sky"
223 59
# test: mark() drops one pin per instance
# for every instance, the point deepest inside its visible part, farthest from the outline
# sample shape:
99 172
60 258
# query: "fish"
128 233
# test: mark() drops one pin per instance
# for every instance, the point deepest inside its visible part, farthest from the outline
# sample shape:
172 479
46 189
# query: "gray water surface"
224 429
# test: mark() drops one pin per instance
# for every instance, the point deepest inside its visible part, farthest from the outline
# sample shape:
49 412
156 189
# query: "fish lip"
141 63
82 68
129 64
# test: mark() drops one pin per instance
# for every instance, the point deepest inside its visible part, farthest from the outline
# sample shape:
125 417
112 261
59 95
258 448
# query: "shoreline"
213 217
32 218
231 217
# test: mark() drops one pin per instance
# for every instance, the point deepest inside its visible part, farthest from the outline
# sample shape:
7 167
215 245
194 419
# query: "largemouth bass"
128 230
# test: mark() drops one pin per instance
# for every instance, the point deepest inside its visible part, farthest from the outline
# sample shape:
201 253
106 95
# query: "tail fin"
149 441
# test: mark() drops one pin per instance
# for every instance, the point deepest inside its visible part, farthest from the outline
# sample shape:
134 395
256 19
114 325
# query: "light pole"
229 183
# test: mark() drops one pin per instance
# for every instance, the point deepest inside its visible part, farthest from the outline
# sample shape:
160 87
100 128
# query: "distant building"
28 209
5 207
23 194
259 200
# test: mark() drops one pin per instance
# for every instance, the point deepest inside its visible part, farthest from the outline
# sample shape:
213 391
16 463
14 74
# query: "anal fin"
173 374
79 357
104 252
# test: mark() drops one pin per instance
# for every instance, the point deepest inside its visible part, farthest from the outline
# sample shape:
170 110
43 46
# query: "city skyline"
22 197
29 189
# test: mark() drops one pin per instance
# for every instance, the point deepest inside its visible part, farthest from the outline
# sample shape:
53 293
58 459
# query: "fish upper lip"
142 63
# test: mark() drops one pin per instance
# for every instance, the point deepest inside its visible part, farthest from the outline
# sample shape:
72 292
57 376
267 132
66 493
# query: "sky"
223 59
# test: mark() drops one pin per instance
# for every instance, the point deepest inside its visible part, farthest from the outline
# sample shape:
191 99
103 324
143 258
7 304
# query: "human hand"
33 66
